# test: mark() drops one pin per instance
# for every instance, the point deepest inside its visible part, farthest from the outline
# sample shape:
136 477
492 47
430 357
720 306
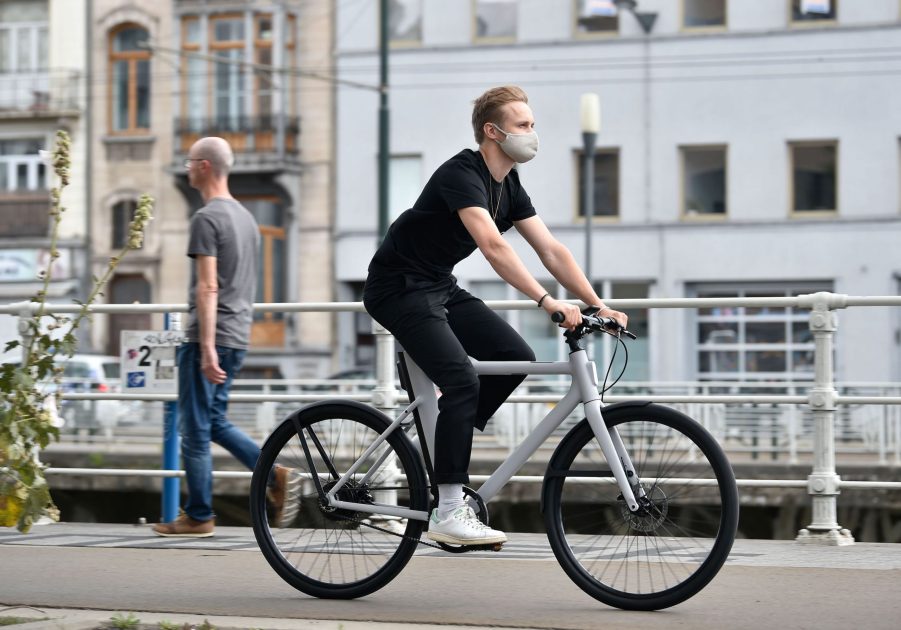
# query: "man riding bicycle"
468 203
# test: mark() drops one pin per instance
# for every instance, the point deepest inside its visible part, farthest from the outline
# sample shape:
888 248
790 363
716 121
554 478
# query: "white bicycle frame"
583 389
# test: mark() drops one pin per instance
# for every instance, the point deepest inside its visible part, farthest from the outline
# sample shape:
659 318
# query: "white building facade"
746 149
43 47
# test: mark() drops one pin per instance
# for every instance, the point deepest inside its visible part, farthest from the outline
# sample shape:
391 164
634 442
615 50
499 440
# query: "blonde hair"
486 108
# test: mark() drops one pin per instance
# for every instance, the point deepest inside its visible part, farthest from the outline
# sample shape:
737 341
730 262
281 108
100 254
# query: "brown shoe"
185 527
284 496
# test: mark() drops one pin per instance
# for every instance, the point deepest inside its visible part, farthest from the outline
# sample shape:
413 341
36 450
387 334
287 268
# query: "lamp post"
591 125
645 19
383 123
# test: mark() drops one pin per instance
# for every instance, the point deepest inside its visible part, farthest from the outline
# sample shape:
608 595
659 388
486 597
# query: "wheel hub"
652 511
351 492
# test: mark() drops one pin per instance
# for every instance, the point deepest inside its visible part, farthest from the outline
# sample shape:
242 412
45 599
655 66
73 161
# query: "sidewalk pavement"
78 619
78 576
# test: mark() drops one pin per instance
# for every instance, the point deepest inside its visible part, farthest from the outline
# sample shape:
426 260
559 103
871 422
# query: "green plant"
124 623
28 419
168 625
96 460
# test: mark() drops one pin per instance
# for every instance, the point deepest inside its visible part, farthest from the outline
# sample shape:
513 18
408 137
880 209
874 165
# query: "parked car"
96 374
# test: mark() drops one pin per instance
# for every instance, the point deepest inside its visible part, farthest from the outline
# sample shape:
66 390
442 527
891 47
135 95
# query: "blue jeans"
201 419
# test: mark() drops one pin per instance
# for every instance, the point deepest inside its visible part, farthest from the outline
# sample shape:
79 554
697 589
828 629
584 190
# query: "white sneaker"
463 527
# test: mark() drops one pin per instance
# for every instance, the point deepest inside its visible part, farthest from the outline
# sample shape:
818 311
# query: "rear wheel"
675 543
338 552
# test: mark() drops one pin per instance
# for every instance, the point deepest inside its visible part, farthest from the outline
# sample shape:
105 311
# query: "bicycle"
639 501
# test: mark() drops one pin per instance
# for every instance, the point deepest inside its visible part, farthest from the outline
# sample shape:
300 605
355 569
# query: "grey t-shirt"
226 230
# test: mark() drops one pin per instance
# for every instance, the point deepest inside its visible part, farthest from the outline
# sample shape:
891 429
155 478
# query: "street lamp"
645 19
590 116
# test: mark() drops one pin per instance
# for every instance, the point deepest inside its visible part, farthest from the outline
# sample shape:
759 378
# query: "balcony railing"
24 213
246 134
37 92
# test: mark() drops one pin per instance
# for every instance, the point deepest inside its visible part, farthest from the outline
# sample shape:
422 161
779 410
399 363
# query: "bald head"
217 152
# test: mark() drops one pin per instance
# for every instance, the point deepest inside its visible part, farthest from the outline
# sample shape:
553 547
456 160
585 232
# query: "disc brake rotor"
652 511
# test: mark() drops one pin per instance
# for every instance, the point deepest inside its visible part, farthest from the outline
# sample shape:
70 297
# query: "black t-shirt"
429 239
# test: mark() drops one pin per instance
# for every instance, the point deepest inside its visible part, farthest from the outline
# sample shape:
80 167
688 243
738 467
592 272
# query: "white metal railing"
766 430
821 399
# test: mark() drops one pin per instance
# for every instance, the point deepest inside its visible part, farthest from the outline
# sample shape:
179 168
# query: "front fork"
617 457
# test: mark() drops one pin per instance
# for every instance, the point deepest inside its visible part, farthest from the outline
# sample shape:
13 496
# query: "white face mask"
521 147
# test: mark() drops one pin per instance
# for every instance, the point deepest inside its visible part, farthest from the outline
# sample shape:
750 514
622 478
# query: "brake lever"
607 324
613 328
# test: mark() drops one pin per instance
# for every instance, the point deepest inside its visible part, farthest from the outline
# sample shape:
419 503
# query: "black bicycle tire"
412 468
552 489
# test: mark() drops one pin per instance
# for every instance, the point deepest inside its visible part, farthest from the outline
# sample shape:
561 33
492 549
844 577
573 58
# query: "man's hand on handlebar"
621 318
612 322
572 316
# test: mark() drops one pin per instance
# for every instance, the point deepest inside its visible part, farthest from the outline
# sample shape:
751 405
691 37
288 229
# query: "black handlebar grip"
558 317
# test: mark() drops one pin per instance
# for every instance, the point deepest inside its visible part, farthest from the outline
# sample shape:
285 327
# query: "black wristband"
546 295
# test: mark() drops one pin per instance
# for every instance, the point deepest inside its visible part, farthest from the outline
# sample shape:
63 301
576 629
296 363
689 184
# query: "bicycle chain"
359 521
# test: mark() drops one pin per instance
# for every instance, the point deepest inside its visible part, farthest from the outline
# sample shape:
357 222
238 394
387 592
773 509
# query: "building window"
227 44
813 11
703 13
263 80
405 177
405 22
24 204
21 168
226 97
495 20
814 166
596 17
639 366
129 80
23 36
123 213
748 343
268 328
606 183
704 181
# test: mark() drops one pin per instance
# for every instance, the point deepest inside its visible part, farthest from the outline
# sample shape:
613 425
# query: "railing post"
384 396
823 484
897 424
26 312
171 446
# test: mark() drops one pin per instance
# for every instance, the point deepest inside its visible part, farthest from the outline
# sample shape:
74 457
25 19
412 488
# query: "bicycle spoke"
667 549
340 552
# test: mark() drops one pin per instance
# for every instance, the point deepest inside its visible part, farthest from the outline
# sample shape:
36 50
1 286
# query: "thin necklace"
499 197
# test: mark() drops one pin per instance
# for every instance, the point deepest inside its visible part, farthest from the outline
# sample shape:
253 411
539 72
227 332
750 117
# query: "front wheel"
336 552
675 543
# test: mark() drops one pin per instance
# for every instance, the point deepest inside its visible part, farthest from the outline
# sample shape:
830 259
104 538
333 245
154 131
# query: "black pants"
439 325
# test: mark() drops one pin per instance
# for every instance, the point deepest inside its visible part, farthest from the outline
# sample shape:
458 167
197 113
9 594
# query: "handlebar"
596 323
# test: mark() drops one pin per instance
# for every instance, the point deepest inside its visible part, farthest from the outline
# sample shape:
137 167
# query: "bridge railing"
818 409
768 432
